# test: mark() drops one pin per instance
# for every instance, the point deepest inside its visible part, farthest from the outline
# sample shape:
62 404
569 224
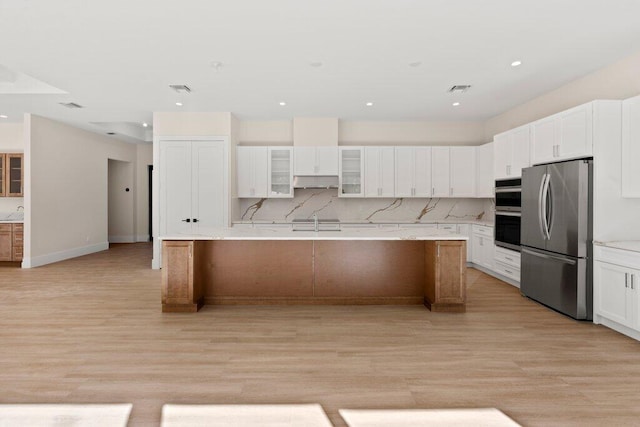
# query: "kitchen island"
265 266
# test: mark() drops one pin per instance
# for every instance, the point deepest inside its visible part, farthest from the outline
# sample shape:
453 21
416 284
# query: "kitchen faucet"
315 221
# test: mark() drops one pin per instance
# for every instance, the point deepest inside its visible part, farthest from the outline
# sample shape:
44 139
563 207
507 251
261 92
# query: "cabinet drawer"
449 227
505 256
5 228
426 225
388 225
617 256
483 230
507 271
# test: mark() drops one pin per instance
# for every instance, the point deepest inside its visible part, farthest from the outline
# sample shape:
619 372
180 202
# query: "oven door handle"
508 213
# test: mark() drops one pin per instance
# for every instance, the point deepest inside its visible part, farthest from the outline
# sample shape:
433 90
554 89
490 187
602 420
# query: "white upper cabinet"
440 172
484 171
413 172
511 153
379 167
351 172
631 147
252 171
566 135
280 171
315 160
462 171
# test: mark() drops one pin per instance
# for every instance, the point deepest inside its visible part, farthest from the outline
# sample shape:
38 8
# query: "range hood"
316 181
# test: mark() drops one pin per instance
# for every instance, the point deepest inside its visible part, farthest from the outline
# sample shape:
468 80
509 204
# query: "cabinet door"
519 151
304 161
484 171
351 170
280 172
6 253
372 172
501 156
327 160
440 171
387 171
3 160
451 287
15 175
175 187
208 185
422 180
404 171
611 293
462 173
576 136
177 272
252 171
631 147
544 140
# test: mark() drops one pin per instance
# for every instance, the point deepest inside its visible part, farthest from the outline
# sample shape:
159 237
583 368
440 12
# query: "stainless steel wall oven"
508 213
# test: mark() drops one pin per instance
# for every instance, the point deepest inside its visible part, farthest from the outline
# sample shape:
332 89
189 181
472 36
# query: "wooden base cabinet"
11 242
182 289
445 269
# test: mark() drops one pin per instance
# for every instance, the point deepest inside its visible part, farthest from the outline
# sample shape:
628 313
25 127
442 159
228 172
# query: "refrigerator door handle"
565 260
545 192
540 212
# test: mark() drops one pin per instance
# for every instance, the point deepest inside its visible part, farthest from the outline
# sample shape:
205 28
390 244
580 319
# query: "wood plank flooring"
90 330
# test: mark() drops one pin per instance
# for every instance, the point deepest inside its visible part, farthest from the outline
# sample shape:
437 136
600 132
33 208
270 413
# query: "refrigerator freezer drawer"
557 281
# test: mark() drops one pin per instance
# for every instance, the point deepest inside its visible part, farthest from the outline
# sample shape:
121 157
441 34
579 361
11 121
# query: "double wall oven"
508 212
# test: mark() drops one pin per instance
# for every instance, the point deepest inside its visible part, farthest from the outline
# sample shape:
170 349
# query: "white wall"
350 132
66 190
619 80
120 202
11 141
144 154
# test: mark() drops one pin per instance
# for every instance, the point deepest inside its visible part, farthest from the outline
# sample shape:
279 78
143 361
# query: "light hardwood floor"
90 330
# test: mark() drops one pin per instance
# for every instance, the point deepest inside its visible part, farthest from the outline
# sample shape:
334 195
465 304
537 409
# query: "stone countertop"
11 217
2 221
627 245
230 233
447 221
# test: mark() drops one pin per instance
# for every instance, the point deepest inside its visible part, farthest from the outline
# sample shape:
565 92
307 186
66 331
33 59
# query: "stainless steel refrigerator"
556 236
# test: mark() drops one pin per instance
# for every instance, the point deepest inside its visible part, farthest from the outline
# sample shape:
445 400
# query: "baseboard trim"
63 255
122 239
142 238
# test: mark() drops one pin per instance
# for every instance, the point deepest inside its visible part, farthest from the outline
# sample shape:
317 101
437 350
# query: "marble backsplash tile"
327 205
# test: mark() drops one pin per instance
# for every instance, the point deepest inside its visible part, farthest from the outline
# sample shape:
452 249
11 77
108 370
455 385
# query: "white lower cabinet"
507 263
482 248
616 299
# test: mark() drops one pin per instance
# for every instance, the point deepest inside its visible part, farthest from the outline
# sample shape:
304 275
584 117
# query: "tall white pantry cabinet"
193 186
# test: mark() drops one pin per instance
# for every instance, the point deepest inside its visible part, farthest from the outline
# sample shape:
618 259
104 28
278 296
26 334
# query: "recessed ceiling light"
282 104
455 104
516 63
415 64
3 116
315 64
179 104
145 124
369 104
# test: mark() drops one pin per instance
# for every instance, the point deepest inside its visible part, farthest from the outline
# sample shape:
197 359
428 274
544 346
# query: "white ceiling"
118 57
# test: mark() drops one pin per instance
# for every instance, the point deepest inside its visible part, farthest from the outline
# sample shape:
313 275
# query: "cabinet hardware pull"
626 280
508 271
195 220
631 280
186 220
508 259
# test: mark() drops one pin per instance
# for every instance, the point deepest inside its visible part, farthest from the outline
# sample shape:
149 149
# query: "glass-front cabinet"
351 168
280 171
11 174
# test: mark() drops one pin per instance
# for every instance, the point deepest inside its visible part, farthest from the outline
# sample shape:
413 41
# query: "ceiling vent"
181 88
459 88
71 105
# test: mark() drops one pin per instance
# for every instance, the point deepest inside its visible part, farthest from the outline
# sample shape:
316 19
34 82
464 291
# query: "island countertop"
230 233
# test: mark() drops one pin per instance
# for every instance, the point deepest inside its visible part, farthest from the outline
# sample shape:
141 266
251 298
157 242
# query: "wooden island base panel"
429 272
